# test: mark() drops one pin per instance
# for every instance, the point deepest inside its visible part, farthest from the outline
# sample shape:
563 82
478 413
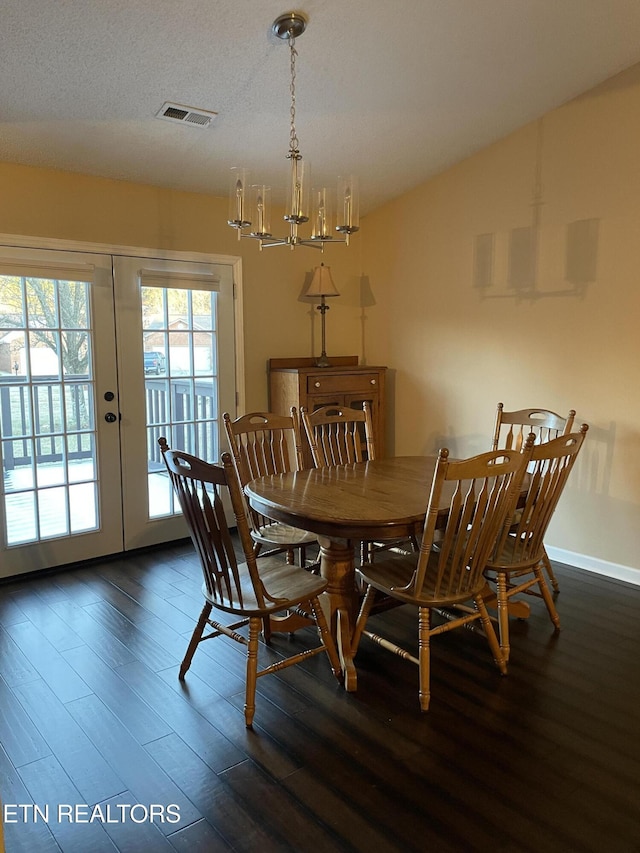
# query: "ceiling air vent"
186 115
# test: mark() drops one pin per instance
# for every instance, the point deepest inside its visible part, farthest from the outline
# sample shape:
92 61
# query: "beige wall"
47 203
410 295
571 342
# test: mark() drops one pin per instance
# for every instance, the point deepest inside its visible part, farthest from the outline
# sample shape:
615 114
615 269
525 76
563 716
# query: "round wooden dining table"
344 505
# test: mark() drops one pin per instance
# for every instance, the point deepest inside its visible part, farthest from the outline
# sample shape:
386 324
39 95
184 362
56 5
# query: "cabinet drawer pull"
317 384
373 381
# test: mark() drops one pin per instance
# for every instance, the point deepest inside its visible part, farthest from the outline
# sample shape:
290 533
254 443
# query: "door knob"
110 417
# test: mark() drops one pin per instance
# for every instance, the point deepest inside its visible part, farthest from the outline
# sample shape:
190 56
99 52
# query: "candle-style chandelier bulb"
321 214
348 211
260 210
238 212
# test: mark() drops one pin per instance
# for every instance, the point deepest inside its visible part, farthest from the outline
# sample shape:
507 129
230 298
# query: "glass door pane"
179 333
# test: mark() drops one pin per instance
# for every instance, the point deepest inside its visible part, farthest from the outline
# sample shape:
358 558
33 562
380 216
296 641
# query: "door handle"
110 417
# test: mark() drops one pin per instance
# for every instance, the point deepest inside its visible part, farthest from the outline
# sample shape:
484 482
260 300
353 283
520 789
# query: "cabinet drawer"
350 382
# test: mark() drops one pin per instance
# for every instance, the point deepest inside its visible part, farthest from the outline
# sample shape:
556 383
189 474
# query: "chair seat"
283 535
509 560
288 584
391 574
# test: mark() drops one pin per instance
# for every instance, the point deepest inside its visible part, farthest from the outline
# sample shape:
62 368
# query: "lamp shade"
322 283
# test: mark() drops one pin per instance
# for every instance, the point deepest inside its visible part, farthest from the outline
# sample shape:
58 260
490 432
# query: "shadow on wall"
591 474
581 258
593 468
459 446
519 277
367 300
412 439
313 304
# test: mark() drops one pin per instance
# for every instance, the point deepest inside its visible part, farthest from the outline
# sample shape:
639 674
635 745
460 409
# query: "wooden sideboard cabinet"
298 382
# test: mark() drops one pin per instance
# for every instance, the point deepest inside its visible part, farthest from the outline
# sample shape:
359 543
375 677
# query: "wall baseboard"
592 564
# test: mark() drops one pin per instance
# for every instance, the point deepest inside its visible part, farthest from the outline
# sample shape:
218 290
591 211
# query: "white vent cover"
185 115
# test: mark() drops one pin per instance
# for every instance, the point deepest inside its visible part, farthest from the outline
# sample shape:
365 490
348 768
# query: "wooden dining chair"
339 436
516 565
447 572
511 429
240 588
264 443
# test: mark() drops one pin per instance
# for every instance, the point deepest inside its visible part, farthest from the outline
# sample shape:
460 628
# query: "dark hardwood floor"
92 712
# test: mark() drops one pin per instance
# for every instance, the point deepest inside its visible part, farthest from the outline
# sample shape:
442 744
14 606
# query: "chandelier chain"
294 151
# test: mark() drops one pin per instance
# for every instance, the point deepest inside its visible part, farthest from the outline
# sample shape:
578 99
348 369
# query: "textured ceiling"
393 91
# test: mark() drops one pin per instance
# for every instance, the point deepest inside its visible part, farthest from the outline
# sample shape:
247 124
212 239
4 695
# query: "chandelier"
250 203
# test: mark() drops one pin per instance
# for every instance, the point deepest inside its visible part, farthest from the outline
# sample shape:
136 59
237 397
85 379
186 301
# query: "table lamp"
322 286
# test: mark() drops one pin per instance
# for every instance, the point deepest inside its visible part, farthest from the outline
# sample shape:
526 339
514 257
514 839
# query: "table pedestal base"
337 560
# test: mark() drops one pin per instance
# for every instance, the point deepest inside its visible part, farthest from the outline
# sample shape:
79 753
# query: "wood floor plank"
138 643
138 603
117 598
48 784
19 735
73 588
141 721
48 662
135 829
278 810
207 740
10 611
48 622
224 671
22 836
81 761
141 775
356 828
219 805
262 750
200 837
133 574
224 675
16 668
109 647
165 637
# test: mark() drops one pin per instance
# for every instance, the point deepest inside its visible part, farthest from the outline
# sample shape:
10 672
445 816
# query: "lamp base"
323 361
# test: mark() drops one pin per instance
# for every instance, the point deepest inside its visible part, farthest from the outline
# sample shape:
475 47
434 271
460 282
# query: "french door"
99 356
177 376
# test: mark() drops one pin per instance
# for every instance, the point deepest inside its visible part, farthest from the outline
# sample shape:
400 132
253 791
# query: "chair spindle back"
198 485
548 471
512 428
480 494
262 443
336 434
